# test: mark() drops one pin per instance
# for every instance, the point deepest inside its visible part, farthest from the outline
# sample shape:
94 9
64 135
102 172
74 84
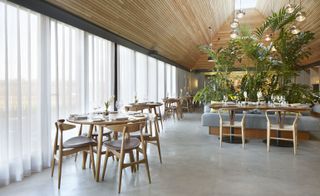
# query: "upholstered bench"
256 123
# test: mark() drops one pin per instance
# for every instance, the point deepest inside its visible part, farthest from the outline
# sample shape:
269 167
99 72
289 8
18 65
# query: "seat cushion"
79 141
129 144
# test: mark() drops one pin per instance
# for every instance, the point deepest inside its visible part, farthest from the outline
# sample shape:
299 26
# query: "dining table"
152 107
176 102
101 121
297 108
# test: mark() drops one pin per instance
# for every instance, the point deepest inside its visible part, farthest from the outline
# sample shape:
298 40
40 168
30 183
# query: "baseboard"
260 134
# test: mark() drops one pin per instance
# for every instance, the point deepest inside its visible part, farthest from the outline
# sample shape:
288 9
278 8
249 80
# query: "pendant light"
289 8
210 59
294 30
268 37
301 16
240 13
235 22
234 34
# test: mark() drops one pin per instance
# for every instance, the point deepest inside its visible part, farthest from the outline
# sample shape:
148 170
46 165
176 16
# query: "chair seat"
284 128
129 144
79 141
228 124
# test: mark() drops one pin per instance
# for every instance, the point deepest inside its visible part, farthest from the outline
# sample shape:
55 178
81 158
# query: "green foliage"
273 70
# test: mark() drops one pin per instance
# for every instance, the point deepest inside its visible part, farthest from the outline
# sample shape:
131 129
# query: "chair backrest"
137 107
61 126
230 110
281 116
128 128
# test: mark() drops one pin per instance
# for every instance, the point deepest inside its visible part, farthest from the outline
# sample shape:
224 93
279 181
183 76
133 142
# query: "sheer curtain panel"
24 134
126 75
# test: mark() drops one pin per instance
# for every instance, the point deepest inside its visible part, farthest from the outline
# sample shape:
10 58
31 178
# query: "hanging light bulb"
301 16
268 37
235 23
234 34
289 8
210 59
294 30
240 14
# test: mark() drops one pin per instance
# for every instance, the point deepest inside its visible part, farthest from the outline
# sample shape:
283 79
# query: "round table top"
118 119
146 104
289 107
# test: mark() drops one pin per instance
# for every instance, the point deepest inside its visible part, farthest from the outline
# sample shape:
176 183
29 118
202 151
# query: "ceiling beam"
67 17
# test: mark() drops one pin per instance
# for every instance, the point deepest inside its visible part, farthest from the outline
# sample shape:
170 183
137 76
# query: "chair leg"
243 139
220 134
294 142
92 162
268 139
59 170
79 133
146 162
105 162
158 141
120 170
133 168
53 162
137 157
159 150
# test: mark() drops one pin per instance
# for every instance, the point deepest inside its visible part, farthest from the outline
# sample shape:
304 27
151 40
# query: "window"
100 71
152 79
126 82
161 80
24 136
141 76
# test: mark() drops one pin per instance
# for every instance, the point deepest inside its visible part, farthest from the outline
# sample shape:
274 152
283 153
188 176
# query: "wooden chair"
231 123
106 134
70 146
159 115
126 145
281 126
170 108
151 138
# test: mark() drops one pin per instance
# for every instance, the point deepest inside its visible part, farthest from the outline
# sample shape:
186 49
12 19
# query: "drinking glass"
118 105
225 99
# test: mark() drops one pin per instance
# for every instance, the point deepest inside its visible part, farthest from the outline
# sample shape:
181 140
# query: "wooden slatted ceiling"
174 28
252 19
312 22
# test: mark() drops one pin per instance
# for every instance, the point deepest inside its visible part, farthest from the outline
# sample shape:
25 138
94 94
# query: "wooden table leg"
84 157
99 149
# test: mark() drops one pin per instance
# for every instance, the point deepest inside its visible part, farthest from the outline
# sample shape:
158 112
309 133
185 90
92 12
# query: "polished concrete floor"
193 164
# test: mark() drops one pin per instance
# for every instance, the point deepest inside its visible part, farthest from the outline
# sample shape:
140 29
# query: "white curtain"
168 81
48 70
126 75
100 70
161 80
141 76
67 70
152 79
24 134
174 81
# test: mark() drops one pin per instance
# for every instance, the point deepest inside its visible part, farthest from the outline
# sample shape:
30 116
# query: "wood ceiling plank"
172 27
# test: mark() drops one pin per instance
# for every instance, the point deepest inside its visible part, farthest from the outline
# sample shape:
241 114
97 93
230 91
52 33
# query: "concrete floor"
193 164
